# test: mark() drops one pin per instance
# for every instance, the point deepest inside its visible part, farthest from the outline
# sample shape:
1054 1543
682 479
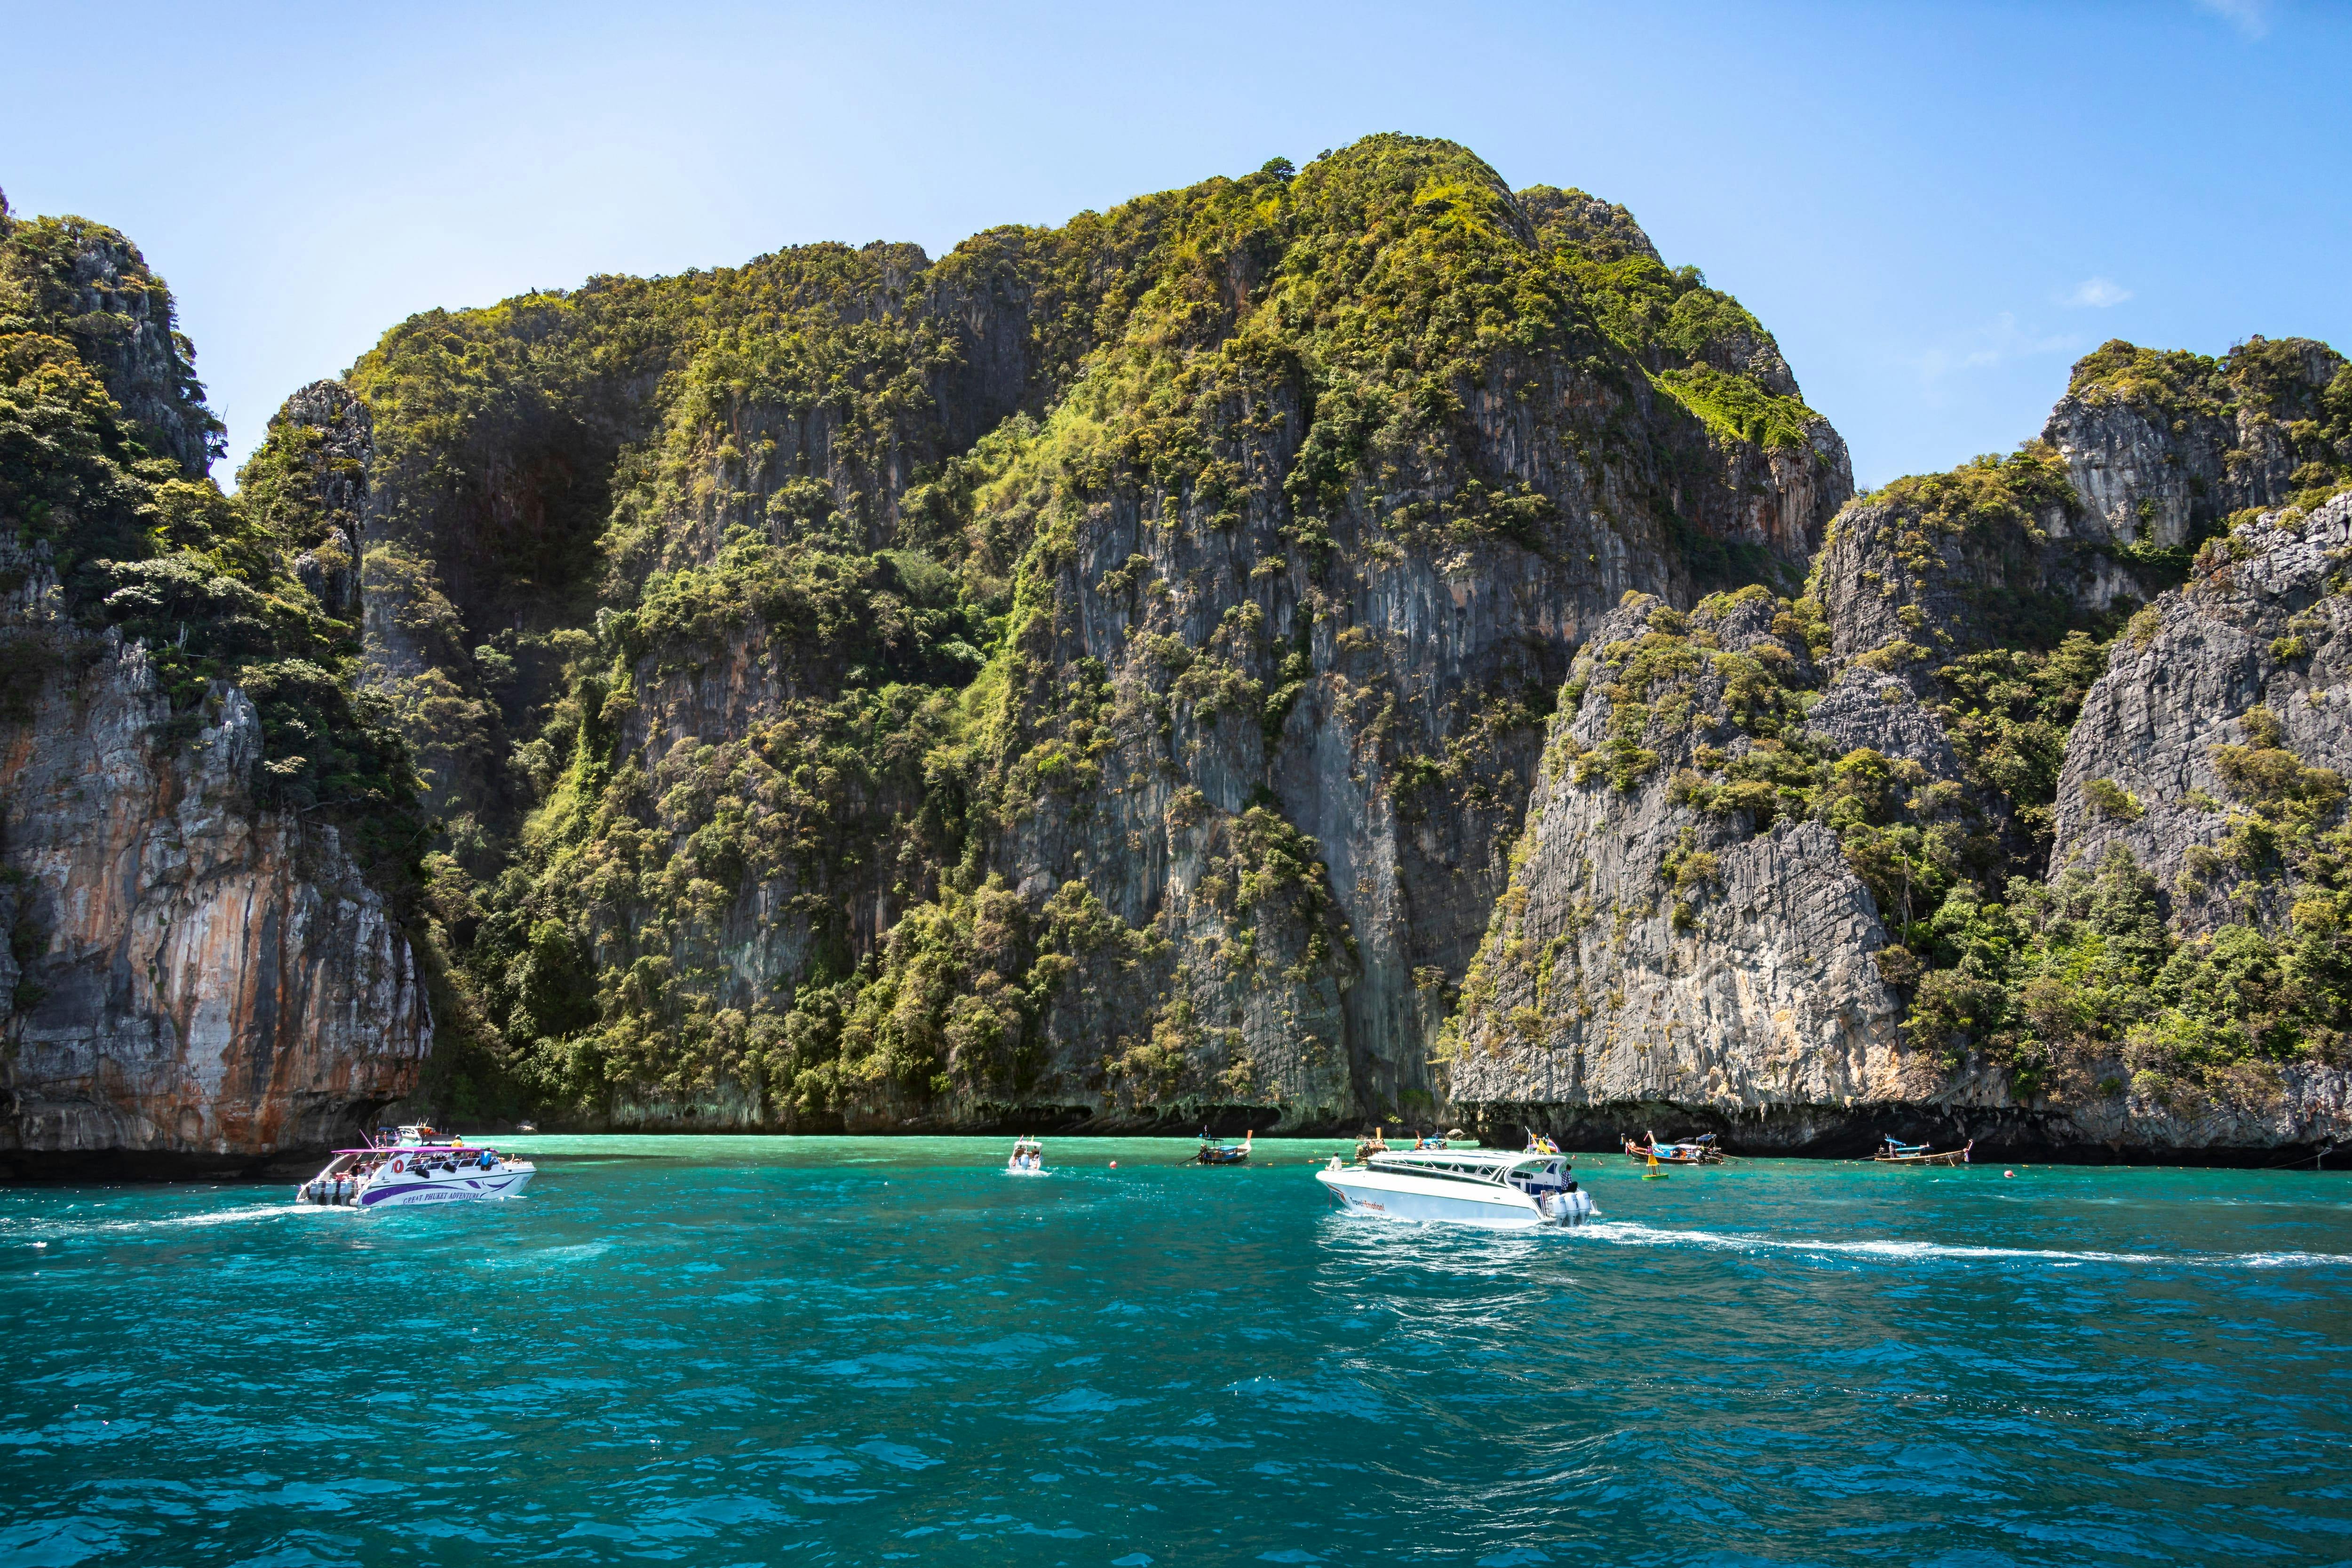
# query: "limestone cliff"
190 972
1339 642
1093 678
2028 859
203 842
2161 447
1666 944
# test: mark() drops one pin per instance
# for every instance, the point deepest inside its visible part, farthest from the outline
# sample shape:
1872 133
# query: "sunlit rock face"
204 843
2001 829
190 973
1091 678
1332 645
2157 452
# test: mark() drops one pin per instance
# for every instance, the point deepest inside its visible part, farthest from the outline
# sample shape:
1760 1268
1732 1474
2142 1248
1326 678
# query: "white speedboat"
1028 1158
416 1167
1465 1186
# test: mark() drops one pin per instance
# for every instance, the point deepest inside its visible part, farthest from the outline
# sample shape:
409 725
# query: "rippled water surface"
738 1350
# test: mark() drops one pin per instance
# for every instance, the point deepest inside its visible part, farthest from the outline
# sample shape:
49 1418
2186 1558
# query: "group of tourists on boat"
340 1183
1215 1150
413 1165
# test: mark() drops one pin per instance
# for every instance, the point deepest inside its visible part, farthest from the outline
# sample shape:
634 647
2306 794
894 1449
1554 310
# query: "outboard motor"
1569 1205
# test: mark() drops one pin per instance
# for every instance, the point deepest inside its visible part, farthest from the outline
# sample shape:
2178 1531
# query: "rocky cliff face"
90 285
2029 859
2220 700
201 839
1107 692
1994 555
2160 449
1343 643
190 973
1666 941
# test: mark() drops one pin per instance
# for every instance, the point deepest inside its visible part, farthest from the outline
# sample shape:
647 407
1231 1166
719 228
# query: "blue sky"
1934 208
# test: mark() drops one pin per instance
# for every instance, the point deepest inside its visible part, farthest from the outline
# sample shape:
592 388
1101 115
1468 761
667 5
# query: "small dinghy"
1215 1150
1027 1159
1894 1153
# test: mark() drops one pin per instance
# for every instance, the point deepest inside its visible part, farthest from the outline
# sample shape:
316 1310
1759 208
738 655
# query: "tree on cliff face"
1098 670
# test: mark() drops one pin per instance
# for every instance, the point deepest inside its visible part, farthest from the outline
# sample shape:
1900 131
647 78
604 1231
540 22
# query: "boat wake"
1627 1233
52 1229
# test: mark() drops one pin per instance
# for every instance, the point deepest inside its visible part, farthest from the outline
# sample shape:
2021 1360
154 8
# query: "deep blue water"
736 1350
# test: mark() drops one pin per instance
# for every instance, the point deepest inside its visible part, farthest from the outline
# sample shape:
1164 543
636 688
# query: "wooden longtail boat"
1217 1151
1892 1152
1699 1151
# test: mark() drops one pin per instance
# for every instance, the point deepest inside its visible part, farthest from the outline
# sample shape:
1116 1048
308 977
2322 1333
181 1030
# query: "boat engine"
1572 1206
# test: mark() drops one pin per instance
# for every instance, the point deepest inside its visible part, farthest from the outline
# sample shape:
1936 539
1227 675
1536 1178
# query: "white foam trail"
234 1216
1626 1233
53 1232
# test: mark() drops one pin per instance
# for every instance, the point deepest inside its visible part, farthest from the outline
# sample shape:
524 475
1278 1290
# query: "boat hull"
417 1192
1374 1192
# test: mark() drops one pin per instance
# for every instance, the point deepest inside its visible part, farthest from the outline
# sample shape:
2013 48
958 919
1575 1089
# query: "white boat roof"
1487 1157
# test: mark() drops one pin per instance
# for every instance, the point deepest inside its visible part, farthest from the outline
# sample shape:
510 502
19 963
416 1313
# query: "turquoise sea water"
762 1351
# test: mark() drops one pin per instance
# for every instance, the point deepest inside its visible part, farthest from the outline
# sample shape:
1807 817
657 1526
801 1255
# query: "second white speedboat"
1463 1186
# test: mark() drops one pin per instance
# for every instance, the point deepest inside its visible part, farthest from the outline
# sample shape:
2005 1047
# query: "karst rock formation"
1342 644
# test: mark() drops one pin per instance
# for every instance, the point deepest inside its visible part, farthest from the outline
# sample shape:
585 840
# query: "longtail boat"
1894 1153
1215 1150
1699 1151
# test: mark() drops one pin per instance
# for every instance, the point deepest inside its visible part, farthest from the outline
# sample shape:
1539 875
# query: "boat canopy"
1481 1165
407 1150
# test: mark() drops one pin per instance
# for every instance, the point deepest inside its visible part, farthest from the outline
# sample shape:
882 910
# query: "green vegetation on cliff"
2299 389
2057 975
741 620
103 440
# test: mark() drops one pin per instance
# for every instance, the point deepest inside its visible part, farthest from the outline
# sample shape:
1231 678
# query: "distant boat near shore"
1698 1151
1215 1150
1892 1152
